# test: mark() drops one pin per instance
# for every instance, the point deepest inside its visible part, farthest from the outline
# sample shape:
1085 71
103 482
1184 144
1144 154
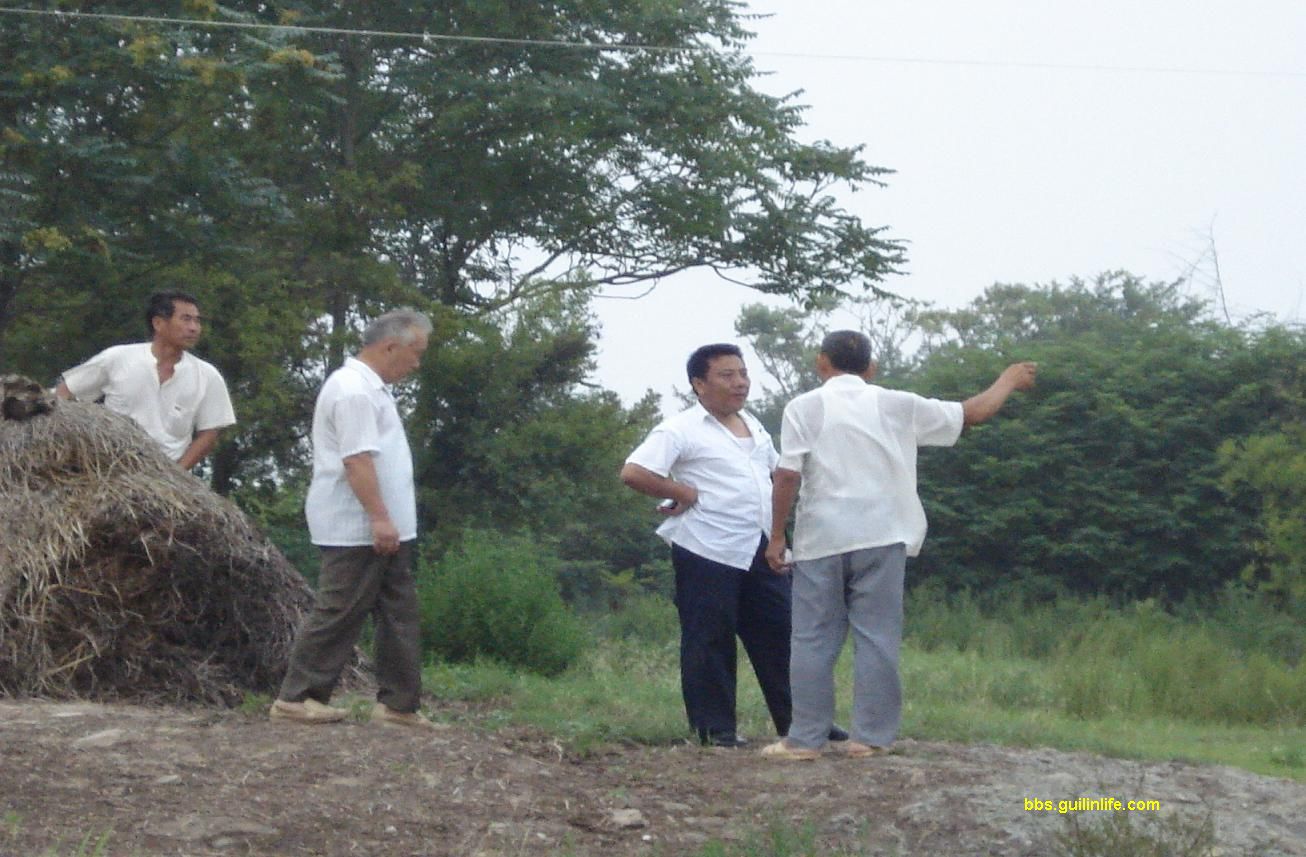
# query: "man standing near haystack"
178 399
362 514
851 446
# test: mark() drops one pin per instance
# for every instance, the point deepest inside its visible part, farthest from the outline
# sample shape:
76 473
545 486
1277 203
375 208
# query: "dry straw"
123 577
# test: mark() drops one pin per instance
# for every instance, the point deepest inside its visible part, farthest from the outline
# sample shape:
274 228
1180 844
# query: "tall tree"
335 172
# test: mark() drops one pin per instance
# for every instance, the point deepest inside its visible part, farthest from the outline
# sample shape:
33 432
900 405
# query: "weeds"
779 840
1121 835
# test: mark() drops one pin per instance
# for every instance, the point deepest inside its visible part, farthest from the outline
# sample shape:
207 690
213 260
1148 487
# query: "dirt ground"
166 781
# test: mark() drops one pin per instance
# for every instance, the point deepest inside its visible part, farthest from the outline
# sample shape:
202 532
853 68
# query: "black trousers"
717 602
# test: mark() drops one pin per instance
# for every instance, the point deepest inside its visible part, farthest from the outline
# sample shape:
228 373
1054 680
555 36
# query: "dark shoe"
721 739
837 734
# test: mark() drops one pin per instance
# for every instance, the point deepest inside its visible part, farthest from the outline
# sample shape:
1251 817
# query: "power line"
599 46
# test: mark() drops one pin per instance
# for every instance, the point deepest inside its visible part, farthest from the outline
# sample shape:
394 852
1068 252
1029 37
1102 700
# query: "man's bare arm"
1017 376
360 472
200 446
645 481
784 490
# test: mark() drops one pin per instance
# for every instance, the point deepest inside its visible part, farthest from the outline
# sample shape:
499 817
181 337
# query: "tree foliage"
508 436
1268 469
1108 477
299 181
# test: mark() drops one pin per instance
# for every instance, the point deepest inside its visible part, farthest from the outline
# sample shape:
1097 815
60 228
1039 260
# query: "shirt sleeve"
937 423
659 451
215 409
88 381
355 422
795 438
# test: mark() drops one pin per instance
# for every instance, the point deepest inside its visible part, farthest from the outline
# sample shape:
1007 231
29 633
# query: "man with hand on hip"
714 462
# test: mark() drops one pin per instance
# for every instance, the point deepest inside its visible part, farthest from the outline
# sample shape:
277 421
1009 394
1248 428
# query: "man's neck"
732 420
166 354
372 360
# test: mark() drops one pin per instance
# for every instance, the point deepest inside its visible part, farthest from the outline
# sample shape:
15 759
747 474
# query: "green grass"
1133 683
963 697
90 845
780 840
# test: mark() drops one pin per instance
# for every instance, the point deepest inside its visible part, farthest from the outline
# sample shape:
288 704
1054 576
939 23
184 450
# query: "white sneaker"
308 711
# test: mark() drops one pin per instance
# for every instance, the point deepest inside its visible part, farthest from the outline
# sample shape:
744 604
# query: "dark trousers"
354 582
717 602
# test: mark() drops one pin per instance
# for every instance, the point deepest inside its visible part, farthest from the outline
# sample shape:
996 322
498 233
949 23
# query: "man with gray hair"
850 447
362 515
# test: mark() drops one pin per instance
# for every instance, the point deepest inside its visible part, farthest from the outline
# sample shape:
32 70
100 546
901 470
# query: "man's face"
403 358
725 388
182 330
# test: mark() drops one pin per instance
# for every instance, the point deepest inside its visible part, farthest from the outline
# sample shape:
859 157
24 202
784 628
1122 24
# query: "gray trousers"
354 582
861 590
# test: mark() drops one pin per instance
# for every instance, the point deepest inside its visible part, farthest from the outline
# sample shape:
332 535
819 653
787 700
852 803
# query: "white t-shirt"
855 445
355 413
193 399
733 481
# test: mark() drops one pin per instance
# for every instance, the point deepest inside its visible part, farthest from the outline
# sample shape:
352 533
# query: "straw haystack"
123 577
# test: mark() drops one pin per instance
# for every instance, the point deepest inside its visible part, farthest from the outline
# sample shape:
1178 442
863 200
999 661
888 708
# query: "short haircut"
163 305
700 361
403 324
847 351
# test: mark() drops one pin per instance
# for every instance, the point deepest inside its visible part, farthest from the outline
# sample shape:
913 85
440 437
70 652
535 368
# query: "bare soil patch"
172 781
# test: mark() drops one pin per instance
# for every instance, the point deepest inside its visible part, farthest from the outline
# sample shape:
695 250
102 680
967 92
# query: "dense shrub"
645 618
496 596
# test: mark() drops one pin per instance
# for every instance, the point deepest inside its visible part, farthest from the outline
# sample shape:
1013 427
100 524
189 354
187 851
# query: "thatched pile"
123 577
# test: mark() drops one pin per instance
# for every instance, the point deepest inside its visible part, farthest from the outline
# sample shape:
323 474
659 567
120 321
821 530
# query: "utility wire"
604 47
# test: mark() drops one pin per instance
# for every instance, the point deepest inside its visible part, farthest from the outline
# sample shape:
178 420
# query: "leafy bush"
645 618
496 596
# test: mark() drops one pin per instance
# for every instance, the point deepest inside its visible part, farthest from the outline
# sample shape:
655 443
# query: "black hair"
847 351
163 305
700 360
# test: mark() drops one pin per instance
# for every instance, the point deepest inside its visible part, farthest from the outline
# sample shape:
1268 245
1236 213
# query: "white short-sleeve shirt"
127 376
855 445
355 413
732 477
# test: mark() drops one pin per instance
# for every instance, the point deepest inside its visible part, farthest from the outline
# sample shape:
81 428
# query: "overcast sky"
1032 141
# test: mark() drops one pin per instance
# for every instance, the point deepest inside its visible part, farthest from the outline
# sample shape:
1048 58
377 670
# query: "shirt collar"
702 413
846 379
366 371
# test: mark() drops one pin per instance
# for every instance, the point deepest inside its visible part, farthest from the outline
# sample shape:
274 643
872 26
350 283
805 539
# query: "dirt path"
164 781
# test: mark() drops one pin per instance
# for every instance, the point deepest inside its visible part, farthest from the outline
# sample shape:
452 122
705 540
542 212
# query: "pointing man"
851 446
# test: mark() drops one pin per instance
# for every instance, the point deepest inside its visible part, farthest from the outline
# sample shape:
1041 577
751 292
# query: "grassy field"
1226 685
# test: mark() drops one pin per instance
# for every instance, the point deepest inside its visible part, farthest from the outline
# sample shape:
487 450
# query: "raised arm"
1017 376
